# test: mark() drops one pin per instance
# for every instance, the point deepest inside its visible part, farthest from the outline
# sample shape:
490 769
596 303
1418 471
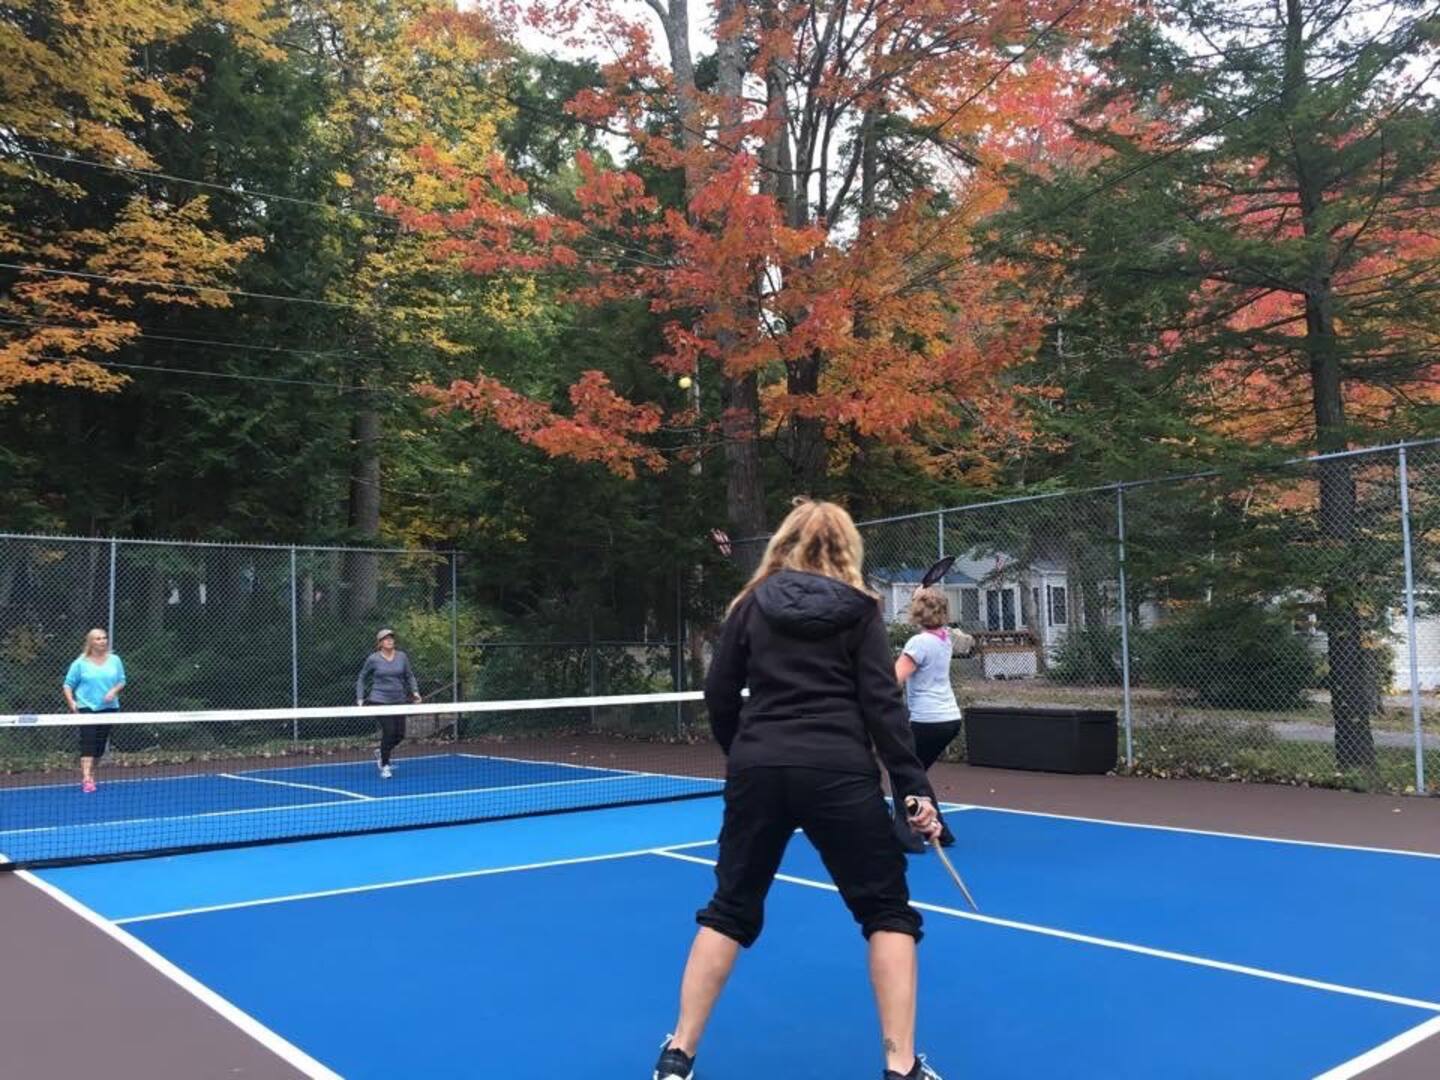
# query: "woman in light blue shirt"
923 669
93 685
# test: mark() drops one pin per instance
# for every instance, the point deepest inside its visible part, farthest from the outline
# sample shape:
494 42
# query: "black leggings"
94 738
845 817
392 731
930 742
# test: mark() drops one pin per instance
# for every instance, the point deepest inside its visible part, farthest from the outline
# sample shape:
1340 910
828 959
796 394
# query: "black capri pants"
845 817
392 732
930 742
94 738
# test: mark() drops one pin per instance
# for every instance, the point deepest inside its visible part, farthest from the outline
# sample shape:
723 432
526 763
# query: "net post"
455 636
594 670
294 644
110 608
1124 626
1415 715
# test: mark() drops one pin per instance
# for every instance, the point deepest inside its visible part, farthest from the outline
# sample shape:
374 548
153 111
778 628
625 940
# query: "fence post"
678 647
1124 629
110 610
455 635
940 530
1415 715
294 645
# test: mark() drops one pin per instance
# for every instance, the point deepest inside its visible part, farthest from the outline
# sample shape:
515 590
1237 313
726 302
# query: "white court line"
368 762
592 768
1206 832
557 764
454 876
292 784
276 1044
1384 1052
288 807
1110 943
107 775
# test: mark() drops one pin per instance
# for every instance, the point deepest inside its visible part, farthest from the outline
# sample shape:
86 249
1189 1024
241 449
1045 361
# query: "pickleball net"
194 780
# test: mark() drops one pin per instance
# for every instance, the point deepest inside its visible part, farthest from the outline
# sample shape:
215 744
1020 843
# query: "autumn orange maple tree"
819 270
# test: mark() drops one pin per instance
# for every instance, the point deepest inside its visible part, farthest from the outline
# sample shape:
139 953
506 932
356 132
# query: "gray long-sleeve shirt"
392 682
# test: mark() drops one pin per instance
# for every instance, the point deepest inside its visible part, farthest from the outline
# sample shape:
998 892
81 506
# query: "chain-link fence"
1282 625
206 626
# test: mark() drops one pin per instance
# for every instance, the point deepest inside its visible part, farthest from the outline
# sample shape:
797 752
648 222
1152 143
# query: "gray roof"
911 575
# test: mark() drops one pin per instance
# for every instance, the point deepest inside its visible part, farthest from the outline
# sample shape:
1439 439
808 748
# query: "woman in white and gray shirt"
386 678
923 669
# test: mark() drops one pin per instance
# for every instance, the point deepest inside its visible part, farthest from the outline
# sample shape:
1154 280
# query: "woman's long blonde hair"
818 538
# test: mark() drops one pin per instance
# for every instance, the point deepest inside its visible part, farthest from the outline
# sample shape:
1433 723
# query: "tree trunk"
9 571
806 434
744 482
82 601
740 424
362 571
156 591
1354 690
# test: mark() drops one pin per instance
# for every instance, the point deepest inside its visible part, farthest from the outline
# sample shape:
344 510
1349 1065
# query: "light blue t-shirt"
91 682
928 692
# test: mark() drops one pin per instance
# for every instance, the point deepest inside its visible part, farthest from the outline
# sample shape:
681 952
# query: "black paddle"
938 569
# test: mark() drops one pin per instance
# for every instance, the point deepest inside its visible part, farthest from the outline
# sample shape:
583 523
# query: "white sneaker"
385 772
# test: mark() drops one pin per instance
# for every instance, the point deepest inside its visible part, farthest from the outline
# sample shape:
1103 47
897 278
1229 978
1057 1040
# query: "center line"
1109 943
294 784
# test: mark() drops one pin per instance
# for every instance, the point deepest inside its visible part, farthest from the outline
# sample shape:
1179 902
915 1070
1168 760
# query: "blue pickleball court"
552 946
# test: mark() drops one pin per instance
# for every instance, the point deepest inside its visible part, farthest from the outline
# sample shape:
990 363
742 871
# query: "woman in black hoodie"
809 641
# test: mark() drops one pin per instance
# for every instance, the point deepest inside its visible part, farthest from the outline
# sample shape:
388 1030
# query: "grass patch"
1216 749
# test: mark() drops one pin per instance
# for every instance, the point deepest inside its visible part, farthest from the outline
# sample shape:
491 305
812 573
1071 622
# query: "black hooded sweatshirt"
823 695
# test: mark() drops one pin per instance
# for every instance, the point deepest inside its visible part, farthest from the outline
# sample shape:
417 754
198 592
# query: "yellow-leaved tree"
81 248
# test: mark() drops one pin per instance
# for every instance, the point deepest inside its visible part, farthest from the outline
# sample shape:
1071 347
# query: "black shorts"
94 738
845 817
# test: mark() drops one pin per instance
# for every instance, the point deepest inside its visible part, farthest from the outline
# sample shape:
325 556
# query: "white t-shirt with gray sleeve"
928 693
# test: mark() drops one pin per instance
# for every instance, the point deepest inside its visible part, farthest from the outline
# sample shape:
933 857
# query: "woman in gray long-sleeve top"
391 682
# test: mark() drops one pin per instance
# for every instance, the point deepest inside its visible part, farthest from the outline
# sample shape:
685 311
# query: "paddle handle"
912 803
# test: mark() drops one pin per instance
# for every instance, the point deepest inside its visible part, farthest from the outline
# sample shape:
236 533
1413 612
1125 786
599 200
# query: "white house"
987 594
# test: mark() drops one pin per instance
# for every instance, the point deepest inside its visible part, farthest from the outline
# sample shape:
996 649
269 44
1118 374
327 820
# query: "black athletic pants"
392 733
845 817
94 738
930 742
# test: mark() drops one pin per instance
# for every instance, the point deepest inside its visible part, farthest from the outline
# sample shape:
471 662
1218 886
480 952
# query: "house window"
1059 605
969 607
1000 609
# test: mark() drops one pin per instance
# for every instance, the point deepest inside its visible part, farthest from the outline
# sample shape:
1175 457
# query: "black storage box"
1046 739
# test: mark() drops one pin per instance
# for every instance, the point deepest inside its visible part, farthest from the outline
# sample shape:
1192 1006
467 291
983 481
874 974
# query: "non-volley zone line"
368 764
354 800
457 875
109 777
681 852
1104 943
